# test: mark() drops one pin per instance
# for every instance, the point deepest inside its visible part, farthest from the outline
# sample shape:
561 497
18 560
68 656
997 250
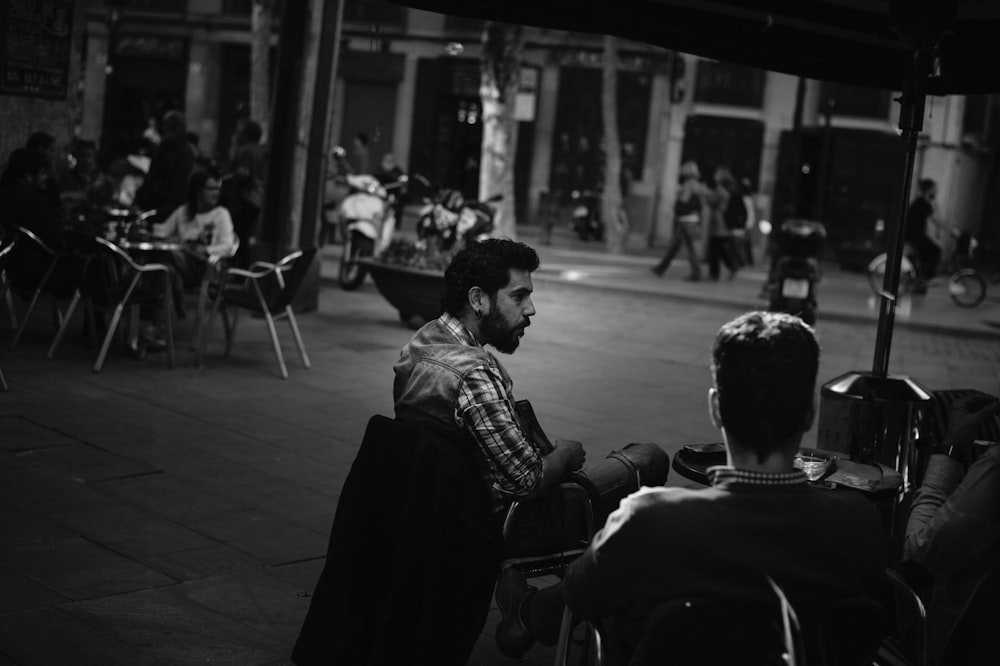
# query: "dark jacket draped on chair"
413 556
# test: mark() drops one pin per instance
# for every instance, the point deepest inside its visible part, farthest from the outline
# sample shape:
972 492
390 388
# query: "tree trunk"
260 48
501 67
612 204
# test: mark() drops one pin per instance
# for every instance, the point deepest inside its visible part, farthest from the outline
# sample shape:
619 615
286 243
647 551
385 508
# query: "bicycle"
967 285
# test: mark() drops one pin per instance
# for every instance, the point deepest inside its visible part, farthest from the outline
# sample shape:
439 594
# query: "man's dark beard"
496 333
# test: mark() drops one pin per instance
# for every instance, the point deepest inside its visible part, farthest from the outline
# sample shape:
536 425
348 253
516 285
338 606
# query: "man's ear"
479 301
713 407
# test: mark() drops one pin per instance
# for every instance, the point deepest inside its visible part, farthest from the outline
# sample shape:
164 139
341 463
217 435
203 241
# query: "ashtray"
814 465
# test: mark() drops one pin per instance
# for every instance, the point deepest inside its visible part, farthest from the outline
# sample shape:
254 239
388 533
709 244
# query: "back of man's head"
485 264
24 163
764 365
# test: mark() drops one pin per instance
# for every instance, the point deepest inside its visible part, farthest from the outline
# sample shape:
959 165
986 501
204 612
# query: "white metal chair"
267 290
33 278
134 285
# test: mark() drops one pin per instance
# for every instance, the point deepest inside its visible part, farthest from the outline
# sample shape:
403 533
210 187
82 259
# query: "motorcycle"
585 220
796 272
368 220
453 219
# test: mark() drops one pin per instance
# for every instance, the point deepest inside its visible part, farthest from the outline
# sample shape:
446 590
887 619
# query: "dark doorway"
712 141
853 192
369 107
139 89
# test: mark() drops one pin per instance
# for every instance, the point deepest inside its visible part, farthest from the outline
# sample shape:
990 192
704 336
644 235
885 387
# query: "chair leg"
168 303
207 333
277 344
65 323
112 327
27 315
199 314
227 329
298 336
9 297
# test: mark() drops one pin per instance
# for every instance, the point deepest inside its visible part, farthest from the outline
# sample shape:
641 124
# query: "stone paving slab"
175 630
50 636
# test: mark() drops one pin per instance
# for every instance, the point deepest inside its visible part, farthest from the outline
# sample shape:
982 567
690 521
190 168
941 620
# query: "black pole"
911 118
283 128
326 72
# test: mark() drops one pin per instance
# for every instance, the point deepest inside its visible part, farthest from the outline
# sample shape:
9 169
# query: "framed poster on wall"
35 41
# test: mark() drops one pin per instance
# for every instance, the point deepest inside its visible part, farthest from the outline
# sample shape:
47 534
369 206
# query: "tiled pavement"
180 516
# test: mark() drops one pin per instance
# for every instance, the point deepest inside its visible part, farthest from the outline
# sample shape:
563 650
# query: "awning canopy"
859 42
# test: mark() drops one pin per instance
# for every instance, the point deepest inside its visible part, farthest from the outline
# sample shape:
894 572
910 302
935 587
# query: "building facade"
409 80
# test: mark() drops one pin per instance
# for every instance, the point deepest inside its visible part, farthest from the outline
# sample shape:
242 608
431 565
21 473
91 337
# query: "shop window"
729 84
577 160
461 24
842 100
375 12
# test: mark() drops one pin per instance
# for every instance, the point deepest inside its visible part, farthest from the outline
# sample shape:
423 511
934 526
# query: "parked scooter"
368 221
585 221
453 219
796 272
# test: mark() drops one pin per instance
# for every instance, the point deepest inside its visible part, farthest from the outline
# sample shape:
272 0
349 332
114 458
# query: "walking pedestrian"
687 222
721 246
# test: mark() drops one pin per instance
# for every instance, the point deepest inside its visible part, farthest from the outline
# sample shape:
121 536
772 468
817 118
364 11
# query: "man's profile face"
503 325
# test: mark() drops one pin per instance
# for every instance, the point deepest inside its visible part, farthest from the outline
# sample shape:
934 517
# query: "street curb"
743 306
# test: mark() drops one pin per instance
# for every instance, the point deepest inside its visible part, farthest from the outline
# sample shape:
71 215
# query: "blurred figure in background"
243 187
165 187
687 222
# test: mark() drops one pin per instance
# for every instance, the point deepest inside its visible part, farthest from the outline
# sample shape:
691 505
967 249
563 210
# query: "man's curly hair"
485 264
764 365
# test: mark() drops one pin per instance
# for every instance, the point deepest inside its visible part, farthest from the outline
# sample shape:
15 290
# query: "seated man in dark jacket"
759 519
23 202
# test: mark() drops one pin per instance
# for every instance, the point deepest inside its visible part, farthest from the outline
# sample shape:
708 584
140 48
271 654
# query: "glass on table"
815 466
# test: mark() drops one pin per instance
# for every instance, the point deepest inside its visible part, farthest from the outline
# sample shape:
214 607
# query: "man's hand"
575 455
967 416
566 456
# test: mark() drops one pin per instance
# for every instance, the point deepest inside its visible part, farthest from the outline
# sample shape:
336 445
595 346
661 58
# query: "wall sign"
35 41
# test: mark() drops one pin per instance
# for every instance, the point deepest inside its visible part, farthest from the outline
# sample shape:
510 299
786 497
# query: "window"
728 83
844 100
375 12
577 162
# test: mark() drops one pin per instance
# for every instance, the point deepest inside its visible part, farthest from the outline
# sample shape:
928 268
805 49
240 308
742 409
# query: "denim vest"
429 375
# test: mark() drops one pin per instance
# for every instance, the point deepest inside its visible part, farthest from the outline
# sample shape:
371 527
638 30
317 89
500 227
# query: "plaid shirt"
486 410
722 475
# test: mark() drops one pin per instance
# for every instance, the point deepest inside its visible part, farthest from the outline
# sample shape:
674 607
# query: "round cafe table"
149 245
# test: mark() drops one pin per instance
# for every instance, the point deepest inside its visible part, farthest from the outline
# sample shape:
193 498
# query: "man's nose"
529 308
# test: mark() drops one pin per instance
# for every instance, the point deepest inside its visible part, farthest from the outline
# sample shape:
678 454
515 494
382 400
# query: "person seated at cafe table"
759 518
23 198
203 227
953 534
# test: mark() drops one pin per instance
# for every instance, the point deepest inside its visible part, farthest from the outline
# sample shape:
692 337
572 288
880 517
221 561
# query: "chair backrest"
293 268
119 255
697 631
30 260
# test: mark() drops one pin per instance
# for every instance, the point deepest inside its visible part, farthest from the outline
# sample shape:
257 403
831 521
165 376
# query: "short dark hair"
251 132
362 137
195 184
925 185
764 365
24 162
40 141
485 264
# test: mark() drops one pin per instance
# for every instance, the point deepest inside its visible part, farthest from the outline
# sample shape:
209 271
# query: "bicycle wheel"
967 288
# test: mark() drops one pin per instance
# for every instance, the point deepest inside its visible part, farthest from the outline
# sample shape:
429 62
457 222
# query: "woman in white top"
205 229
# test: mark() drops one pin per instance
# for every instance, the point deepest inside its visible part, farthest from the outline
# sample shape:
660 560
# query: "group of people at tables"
61 206
760 518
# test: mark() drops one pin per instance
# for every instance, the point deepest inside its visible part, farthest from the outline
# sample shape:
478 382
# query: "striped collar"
723 475
458 329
